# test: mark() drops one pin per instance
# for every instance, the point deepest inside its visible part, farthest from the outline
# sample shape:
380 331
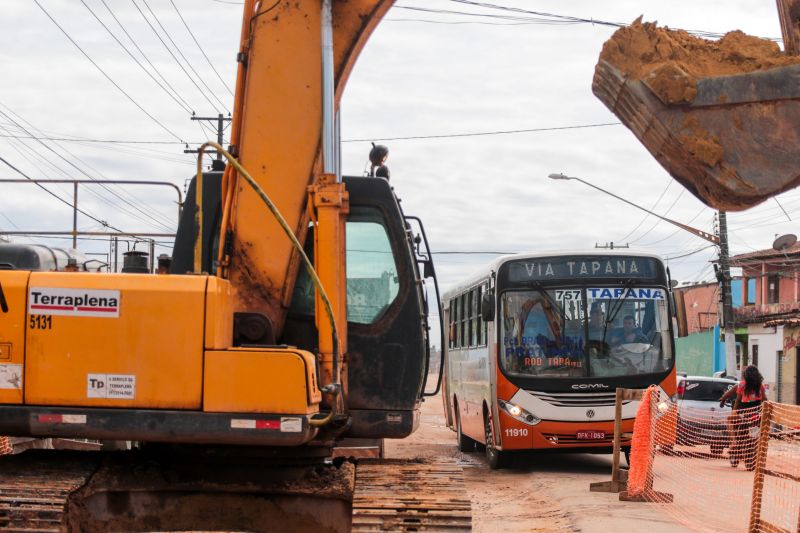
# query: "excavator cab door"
386 316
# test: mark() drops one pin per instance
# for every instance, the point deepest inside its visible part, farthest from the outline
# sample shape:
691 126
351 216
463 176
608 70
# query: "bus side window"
478 321
464 339
452 324
459 310
473 318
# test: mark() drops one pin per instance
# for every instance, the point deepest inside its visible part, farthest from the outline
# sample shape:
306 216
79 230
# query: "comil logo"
73 302
589 386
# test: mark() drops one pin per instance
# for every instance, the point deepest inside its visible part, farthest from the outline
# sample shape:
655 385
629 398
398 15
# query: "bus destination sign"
569 267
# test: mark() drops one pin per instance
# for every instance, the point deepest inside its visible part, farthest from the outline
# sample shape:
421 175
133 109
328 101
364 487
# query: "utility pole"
611 245
218 163
724 277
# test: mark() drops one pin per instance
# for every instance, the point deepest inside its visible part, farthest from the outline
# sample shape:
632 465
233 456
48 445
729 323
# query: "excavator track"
34 489
66 491
402 495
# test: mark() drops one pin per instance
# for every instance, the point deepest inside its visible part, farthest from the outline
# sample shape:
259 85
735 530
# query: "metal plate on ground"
397 495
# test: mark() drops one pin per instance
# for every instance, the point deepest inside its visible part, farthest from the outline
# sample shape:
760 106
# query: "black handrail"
439 307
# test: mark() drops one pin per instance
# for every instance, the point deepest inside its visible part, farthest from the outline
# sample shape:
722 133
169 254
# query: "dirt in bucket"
671 61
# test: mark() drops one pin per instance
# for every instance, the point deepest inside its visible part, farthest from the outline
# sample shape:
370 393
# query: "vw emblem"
590 413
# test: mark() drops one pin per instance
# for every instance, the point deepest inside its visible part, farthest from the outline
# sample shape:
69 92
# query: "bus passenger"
597 323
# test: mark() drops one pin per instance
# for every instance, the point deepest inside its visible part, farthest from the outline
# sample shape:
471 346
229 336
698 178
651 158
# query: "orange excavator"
294 318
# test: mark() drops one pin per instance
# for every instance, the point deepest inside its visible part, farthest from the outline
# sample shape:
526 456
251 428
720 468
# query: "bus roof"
493 266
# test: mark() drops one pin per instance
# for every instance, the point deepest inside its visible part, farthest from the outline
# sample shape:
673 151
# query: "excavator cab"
387 312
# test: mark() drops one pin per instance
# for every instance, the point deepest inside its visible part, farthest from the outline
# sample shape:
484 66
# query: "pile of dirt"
671 61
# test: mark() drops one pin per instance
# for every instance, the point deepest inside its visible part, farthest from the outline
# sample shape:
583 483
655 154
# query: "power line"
702 210
519 19
135 59
658 221
169 50
472 252
92 143
463 22
103 72
689 253
482 133
155 69
201 48
80 170
583 20
34 158
523 15
76 167
73 138
85 140
188 63
51 193
631 232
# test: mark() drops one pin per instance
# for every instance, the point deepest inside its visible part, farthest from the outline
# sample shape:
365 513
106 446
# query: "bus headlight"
518 413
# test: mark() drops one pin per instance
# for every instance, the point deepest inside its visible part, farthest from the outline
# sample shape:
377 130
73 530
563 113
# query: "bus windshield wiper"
553 305
538 287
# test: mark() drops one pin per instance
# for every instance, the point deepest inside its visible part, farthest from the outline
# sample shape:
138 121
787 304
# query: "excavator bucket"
722 117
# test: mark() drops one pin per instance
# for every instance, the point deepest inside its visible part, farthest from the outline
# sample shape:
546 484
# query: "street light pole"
724 267
699 233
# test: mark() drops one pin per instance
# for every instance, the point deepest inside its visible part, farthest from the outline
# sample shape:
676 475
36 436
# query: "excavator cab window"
372 281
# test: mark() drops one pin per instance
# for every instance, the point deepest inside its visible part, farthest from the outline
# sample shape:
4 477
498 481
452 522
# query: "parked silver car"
701 421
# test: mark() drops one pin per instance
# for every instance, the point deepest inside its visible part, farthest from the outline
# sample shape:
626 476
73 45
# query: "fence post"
761 462
617 483
617 435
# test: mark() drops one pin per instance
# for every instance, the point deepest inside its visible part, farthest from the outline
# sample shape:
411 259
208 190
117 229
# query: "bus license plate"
590 435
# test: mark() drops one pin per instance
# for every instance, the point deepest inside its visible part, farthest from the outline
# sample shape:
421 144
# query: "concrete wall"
695 353
788 387
769 342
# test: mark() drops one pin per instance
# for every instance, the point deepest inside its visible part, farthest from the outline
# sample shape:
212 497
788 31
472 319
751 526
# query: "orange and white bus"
537 345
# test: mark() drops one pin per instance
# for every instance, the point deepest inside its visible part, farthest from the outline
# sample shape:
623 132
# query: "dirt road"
538 493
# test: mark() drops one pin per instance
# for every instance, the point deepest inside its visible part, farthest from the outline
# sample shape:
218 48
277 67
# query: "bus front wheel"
496 458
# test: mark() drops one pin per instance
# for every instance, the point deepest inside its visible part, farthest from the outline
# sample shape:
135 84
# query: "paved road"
539 493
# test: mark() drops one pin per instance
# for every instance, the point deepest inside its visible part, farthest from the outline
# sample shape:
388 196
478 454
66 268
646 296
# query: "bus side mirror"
487 306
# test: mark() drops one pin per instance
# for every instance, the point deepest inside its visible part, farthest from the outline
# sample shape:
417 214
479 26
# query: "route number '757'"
568 295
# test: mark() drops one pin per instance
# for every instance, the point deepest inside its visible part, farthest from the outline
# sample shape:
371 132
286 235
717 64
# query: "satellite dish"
784 241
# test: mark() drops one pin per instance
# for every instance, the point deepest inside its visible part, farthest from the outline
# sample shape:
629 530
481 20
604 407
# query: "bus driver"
629 333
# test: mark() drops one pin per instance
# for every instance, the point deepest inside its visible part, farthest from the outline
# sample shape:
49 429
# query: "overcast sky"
422 74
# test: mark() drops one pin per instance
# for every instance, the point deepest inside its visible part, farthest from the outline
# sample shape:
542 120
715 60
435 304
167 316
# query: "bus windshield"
585 331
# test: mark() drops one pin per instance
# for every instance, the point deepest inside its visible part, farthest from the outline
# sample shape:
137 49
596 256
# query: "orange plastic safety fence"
5 446
639 476
723 470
